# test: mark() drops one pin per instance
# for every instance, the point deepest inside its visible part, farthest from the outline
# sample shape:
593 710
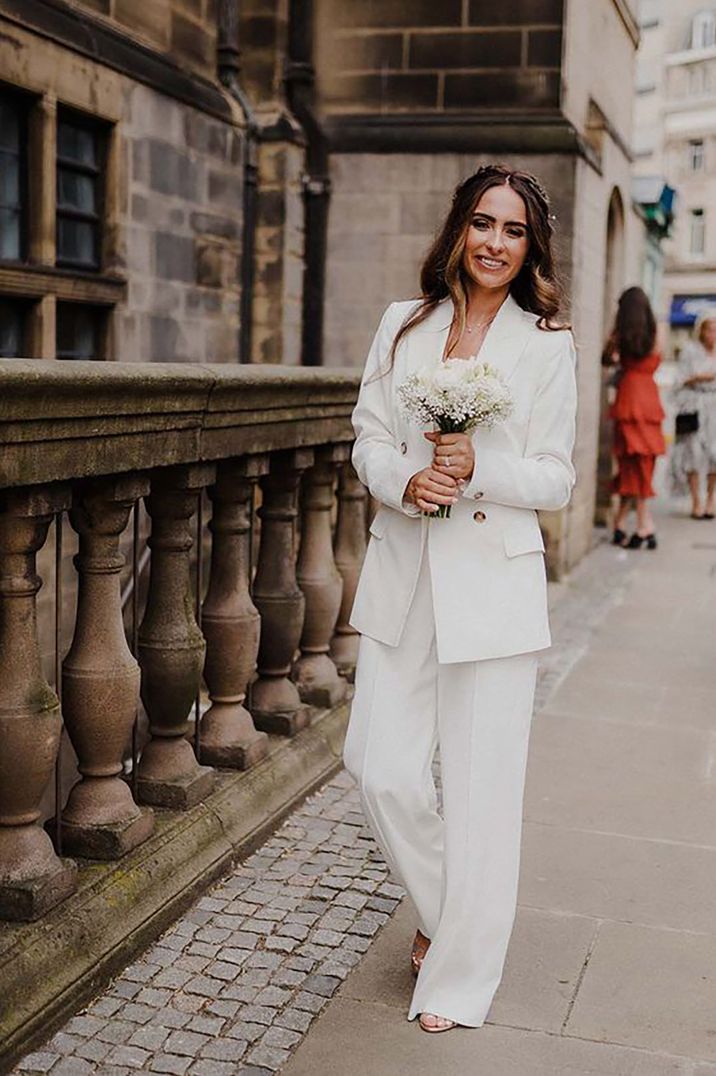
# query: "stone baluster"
276 704
231 622
315 673
171 646
100 679
32 877
349 548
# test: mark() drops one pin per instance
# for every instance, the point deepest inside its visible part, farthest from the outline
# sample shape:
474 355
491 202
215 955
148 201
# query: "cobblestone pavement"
234 984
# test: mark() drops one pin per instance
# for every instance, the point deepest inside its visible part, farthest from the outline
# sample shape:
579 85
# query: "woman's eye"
516 233
481 225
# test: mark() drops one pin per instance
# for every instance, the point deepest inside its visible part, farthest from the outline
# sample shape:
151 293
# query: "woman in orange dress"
637 415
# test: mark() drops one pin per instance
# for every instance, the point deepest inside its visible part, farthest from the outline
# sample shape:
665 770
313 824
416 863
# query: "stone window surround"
36 280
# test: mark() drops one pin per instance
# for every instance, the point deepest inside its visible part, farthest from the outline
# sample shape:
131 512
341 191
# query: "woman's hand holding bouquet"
457 397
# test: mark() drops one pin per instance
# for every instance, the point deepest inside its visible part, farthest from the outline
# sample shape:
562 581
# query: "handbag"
687 422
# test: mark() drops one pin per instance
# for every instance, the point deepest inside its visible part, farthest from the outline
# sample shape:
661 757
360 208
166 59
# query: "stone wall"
175 216
182 218
277 306
450 56
385 211
386 207
186 29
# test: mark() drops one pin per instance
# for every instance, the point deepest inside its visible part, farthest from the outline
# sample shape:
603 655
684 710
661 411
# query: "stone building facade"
256 179
414 97
133 253
675 138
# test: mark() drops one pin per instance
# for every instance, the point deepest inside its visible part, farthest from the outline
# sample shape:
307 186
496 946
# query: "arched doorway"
613 284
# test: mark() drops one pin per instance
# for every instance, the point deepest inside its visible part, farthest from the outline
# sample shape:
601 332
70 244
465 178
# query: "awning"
685 309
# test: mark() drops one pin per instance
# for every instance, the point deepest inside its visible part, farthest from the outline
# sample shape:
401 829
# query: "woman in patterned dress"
693 457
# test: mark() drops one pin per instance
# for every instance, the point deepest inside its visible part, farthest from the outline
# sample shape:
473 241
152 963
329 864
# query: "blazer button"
403 447
479 517
478 495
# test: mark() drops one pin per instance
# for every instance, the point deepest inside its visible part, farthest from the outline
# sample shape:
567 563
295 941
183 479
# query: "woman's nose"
495 240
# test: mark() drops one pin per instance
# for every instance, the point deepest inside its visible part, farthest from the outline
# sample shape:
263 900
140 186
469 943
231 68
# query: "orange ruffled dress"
637 415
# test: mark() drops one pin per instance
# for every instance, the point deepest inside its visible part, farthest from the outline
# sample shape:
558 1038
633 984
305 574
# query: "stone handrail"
66 420
94 439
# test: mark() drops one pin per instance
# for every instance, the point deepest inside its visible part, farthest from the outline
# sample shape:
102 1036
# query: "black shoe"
637 541
618 537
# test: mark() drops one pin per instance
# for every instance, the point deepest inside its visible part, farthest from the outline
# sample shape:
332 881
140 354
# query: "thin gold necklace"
479 324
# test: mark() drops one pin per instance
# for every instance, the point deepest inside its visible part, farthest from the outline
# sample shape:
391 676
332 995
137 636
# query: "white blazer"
486 560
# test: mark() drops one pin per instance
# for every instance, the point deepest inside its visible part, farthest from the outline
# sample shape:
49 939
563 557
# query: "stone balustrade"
267 643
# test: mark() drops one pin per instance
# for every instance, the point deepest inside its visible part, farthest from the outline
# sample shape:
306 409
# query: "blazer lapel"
502 347
506 338
425 343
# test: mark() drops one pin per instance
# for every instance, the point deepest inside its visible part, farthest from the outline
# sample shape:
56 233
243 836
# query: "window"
65 162
696 155
13 318
697 238
78 193
703 30
12 181
80 331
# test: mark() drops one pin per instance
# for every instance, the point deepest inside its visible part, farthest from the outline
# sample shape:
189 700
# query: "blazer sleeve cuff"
522 483
403 472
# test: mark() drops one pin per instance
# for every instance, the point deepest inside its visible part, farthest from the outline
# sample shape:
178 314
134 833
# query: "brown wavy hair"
635 326
535 288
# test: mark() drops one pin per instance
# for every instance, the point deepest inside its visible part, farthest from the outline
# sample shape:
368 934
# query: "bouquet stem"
443 512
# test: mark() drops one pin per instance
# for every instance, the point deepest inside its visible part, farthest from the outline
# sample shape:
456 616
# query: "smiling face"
497 239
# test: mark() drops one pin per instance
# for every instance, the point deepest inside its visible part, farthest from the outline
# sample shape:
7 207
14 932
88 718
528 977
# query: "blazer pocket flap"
527 539
379 523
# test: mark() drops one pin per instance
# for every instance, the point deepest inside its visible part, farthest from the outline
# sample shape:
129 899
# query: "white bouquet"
457 396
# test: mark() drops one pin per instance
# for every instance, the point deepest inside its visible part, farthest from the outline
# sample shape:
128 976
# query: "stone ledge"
63 420
49 969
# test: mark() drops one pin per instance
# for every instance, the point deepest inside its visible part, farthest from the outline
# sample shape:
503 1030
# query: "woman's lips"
490 263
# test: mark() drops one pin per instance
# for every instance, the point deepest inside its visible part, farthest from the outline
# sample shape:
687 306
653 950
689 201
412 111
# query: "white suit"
451 613
480 557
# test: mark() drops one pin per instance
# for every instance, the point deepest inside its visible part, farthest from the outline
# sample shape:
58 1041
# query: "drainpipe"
300 81
229 67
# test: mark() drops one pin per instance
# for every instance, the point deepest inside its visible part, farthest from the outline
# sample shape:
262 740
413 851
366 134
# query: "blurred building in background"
675 145
254 180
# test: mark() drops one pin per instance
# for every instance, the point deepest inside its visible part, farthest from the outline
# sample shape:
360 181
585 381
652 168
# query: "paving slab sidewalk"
612 964
297 961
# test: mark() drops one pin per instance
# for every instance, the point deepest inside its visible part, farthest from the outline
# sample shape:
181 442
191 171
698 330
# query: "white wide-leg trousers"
461 869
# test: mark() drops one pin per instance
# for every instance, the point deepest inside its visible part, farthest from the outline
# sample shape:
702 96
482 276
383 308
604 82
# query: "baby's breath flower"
456 396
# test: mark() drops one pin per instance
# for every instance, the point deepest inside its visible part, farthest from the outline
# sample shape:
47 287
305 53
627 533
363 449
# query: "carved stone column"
32 877
100 679
276 704
349 548
314 672
171 646
231 622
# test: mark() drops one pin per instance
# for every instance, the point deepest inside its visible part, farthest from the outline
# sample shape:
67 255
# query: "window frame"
697 227
98 172
102 315
24 308
22 103
697 155
701 22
